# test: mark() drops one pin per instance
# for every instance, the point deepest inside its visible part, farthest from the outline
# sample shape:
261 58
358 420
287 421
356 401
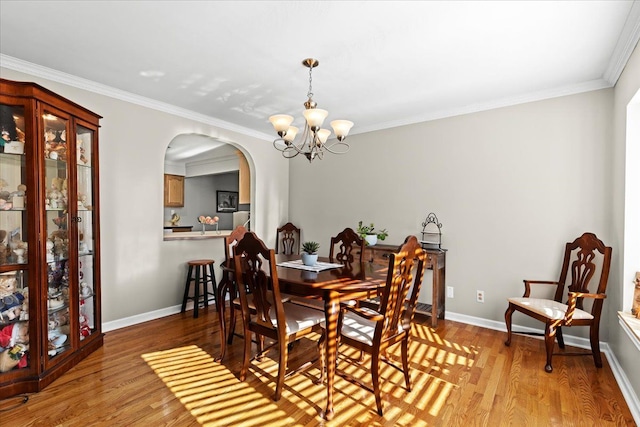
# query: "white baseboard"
621 378
145 317
623 382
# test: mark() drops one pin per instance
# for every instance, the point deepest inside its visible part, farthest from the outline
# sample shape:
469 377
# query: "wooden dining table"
333 286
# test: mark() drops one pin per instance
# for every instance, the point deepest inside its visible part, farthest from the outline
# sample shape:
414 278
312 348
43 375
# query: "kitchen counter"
197 235
179 228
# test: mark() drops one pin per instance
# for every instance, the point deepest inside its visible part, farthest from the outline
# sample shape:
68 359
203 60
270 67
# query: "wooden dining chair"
343 246
288 238
373 331
585 258
347 247
227 284
263 311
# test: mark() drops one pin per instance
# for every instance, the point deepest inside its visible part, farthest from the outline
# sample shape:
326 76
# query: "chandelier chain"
310 93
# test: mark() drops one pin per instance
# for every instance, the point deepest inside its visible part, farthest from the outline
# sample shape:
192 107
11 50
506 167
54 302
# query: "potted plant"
369 233
310 253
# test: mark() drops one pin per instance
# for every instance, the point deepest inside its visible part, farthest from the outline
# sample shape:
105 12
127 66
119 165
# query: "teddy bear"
14 344
10 298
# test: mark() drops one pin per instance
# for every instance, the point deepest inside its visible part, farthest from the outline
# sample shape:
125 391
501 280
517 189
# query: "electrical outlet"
479 296
449 291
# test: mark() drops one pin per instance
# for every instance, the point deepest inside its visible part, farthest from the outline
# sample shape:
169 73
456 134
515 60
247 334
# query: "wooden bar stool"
202 278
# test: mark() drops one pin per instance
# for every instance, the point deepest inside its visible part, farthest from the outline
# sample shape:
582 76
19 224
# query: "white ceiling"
382 64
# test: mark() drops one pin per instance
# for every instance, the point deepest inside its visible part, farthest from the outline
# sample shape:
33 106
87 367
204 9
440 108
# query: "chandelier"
313 141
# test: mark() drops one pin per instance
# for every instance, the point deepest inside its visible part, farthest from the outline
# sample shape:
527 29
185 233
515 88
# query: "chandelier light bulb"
323 135
281 123
341 128
291 134
315 117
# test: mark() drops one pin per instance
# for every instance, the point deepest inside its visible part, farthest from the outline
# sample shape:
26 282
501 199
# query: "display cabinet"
49 236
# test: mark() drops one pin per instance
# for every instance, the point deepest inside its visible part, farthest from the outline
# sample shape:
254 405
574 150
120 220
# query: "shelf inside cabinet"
57 309
85 297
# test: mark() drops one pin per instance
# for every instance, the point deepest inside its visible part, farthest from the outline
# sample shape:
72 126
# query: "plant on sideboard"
369 233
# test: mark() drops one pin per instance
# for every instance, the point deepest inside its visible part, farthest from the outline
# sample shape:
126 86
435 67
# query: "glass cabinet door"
85 223
14 255
56 204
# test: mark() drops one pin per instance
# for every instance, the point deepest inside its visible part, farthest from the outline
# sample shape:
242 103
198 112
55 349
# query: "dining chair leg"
282 369
594 338
549 341
375 376
507 321
405 362
560 338
220 305
233 294
247 349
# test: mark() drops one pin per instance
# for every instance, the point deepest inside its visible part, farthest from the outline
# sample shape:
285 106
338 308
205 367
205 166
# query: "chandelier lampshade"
313 141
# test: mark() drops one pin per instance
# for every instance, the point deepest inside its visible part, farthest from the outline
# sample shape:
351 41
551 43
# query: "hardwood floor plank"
163 373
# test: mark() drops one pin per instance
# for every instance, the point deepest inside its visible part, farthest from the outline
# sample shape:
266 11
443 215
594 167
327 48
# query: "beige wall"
142 275
510 186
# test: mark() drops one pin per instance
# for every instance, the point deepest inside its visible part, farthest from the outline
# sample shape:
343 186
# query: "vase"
309 259
202 232
371 239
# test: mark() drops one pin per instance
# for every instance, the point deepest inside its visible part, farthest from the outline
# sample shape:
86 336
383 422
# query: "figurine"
49 245
10 298
85 290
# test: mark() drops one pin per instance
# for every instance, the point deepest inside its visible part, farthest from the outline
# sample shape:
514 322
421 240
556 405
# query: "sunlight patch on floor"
212 393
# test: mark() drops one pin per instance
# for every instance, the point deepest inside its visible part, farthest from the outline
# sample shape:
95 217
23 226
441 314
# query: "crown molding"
91 86
491 105
627 42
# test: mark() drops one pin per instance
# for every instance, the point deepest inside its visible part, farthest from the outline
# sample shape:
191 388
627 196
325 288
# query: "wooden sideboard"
436 261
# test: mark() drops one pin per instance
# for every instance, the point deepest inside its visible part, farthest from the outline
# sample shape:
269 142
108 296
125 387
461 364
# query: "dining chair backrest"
288 238
406 271
231 240
346 242
256 274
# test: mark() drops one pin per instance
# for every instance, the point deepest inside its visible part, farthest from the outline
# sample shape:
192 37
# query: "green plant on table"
370 230
310 247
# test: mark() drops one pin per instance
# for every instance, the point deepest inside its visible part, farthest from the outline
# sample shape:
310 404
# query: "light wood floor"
162 373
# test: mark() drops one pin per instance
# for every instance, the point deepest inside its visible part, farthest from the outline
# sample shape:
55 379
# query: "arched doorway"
215 180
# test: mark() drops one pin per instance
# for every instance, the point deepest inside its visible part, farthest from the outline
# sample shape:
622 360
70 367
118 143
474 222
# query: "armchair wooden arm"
573 300
528 283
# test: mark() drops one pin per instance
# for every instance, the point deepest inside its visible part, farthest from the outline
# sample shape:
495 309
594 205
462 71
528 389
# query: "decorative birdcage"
431 232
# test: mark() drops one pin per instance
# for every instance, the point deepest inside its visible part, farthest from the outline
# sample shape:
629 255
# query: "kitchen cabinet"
173 190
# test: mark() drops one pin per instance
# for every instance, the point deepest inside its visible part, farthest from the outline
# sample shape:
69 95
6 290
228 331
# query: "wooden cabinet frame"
78 217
